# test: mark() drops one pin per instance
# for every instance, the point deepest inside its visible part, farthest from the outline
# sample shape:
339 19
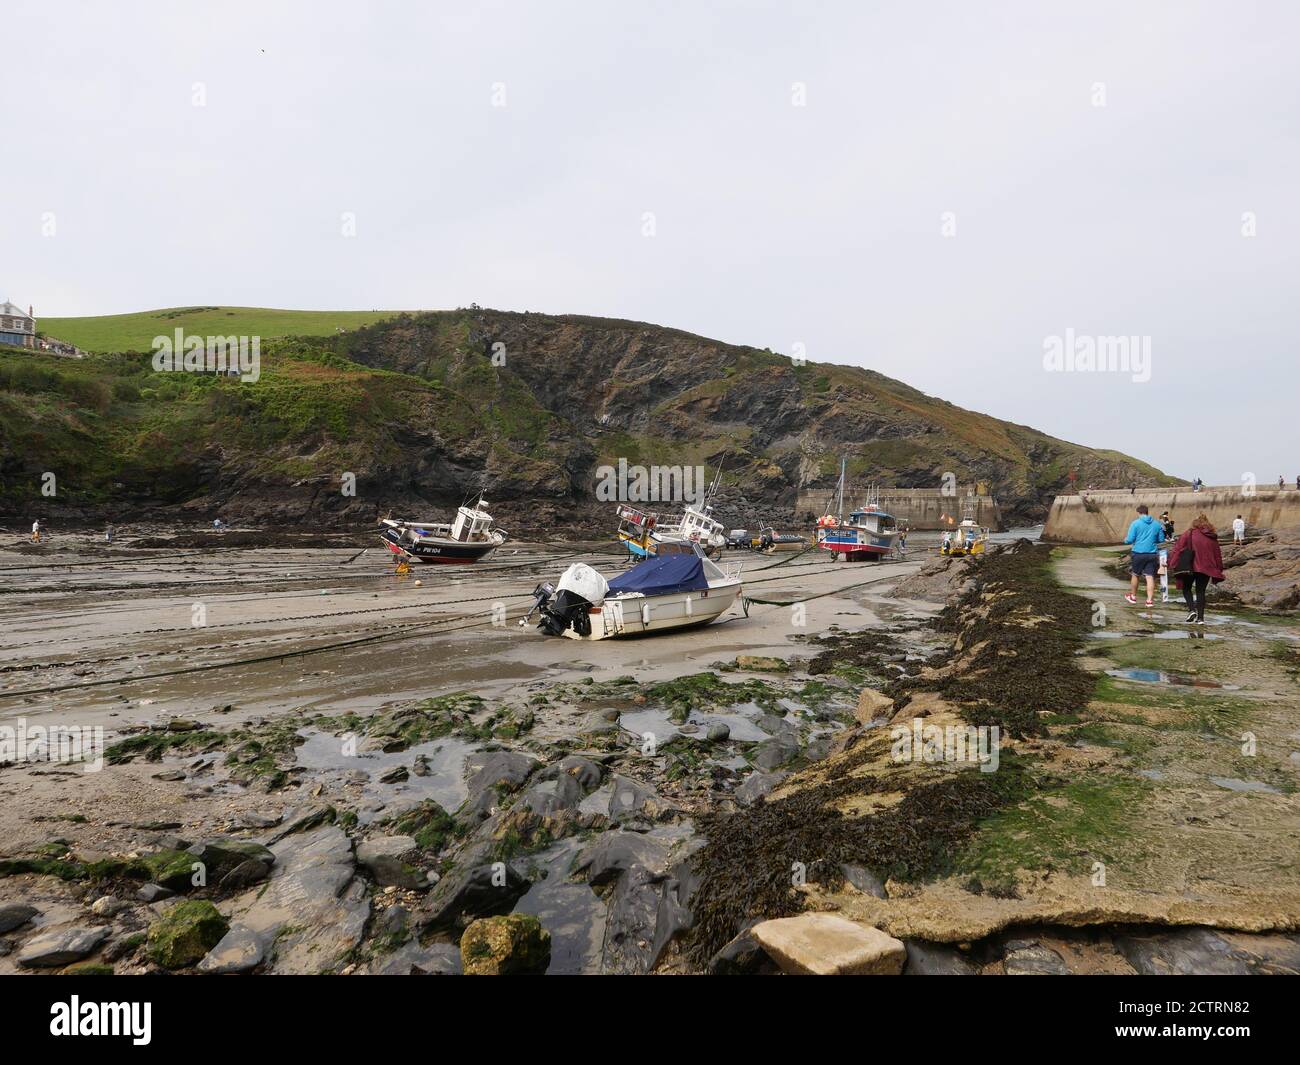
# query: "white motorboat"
678 588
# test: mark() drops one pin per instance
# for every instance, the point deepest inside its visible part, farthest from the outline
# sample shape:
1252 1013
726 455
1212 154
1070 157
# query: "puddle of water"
1159 676
1237 784
1163 634
658 724
445 782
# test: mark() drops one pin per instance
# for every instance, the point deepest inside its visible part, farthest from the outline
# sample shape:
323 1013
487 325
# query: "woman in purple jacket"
1206 565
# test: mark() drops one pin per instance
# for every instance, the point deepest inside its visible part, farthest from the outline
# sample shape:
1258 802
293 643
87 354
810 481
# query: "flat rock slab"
240 949
61 946
822 944
313 908
15 915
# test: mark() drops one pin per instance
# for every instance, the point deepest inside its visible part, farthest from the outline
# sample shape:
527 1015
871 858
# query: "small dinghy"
678 588
469 538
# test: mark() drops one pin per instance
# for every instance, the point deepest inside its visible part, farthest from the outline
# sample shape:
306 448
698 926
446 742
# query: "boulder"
780 750
239 950
822 944
15 915
502 771
501 946
245 874
613 853
757 785
108 906
1034 959
631 800
474 888
937 959
185 933
61 946
221 856
383 857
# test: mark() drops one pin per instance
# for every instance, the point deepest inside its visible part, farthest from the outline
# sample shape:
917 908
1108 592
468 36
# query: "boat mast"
840 514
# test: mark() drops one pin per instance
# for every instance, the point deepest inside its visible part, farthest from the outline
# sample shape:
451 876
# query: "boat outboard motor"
541 595
578 590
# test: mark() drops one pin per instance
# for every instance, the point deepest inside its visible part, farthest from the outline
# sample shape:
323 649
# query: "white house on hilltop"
17 327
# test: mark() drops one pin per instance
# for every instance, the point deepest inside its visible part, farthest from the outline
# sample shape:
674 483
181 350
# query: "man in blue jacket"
1145 535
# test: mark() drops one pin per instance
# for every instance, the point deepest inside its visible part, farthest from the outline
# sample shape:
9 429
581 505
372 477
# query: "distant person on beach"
1197 562
1281 481
1238 530
1196 485
108 534
1168 524
1144 534
36 531
1166 535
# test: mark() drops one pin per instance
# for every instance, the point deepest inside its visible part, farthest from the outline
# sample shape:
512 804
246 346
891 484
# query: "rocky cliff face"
421 411
661 396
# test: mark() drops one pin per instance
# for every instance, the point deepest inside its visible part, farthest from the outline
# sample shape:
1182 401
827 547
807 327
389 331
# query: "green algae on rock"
185 933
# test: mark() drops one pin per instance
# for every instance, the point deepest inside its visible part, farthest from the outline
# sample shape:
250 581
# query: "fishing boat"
469 538
868 532
680 588
968 537
770 541
642 532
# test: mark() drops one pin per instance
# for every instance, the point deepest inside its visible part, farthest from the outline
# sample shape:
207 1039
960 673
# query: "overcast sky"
933 191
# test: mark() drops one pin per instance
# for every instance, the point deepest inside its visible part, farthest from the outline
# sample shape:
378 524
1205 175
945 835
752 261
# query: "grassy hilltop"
135 332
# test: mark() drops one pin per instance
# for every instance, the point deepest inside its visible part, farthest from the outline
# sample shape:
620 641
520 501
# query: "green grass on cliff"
135 332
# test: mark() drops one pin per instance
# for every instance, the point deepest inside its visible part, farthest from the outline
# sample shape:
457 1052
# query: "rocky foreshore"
745 819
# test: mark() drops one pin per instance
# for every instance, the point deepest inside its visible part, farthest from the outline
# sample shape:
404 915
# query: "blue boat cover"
662 576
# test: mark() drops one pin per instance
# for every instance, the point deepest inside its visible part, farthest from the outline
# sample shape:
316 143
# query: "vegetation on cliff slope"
434 406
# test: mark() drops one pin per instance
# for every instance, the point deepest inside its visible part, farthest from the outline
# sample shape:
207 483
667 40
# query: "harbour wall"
918 508
1104 517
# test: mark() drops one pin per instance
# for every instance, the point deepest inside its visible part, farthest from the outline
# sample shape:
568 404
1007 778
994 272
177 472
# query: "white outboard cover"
582 580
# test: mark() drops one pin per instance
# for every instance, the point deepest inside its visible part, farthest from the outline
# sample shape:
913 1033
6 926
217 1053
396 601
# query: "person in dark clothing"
1168 523
1202 541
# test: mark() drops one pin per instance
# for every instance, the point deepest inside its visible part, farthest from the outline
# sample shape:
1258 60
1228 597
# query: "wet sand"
100 635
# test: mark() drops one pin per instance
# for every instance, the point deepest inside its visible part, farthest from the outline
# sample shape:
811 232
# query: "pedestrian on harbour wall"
1238 530
1197 562
1145 534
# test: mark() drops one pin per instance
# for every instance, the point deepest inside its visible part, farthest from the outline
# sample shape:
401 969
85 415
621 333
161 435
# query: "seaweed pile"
746 871
1017 651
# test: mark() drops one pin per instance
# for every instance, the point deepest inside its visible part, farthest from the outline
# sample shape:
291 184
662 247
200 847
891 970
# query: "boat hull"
436 551
858 548
645 615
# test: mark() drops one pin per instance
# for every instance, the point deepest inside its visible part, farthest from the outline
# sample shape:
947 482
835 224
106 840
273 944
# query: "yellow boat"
968 538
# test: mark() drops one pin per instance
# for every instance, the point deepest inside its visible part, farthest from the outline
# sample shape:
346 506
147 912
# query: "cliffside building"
17 327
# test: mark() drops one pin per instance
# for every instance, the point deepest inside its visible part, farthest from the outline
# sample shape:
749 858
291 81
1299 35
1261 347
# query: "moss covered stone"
499 946
185 933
